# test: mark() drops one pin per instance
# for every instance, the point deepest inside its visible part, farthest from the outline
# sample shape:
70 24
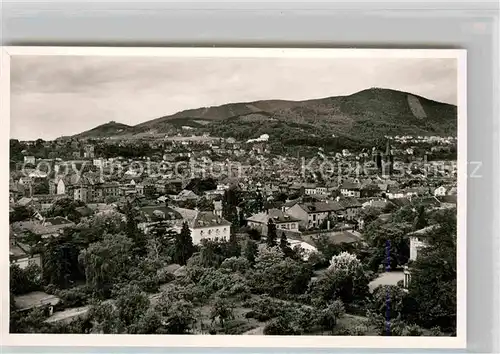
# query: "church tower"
388 160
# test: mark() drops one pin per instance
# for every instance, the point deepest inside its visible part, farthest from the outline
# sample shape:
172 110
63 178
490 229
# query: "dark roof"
275 214
291 203
345 237
170 214
371 187
350 203
350 185
338 237
321 207
429 201
58 220
400 202
84 211
207 218
451 199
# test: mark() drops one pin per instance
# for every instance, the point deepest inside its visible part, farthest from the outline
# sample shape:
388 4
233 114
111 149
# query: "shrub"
278 327
75 297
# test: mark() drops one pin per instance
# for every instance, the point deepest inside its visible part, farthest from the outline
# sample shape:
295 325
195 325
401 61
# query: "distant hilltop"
368 114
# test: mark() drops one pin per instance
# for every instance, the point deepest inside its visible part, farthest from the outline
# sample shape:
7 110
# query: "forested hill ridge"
365 115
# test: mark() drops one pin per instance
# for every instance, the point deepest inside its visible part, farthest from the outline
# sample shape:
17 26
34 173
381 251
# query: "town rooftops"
345 237
349 203
448 199
24 201
321 207
400 202
84 211
275 214
187 194
209 219
16 251
157 210
49 226
291 203
58 220
188 215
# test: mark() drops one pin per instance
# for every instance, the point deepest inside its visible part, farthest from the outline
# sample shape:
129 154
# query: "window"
225 230
201 233
209 232
217 232
314 217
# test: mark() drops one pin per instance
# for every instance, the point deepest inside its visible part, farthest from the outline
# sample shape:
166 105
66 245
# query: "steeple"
388 159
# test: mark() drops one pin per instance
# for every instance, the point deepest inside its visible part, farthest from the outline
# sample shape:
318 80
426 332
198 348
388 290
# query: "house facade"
313 214
349 189
440 191
282 221
207 225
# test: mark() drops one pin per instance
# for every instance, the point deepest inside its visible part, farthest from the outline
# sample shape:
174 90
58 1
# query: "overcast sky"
61 95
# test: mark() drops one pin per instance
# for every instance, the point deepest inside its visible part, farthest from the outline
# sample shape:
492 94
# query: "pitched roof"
84 211
187 194
376 204
188 215
345 236
25 201
450 199
350 185
321 207
57 221
207 219
277 215
401 201
291 203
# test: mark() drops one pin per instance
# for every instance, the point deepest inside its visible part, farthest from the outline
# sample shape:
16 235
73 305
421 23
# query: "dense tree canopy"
105 261
434 275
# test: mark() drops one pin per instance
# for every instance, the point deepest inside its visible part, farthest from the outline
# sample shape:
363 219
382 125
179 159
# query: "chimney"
328 224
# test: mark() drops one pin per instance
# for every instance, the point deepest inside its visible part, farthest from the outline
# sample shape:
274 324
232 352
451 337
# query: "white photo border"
227 341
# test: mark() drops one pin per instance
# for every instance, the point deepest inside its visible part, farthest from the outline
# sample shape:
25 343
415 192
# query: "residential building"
205 225
313 214
440 191
417 240
152 215
350 189
20 254
29 160
88 152
309 189
185 195
49 227
351 208
282 221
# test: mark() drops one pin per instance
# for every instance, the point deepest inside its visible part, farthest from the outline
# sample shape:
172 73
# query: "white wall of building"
210 232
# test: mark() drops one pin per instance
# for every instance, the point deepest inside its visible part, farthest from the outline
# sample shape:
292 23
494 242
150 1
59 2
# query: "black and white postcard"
234 197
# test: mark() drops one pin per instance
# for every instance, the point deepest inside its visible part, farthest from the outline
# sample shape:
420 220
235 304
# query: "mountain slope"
367 114
105 130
